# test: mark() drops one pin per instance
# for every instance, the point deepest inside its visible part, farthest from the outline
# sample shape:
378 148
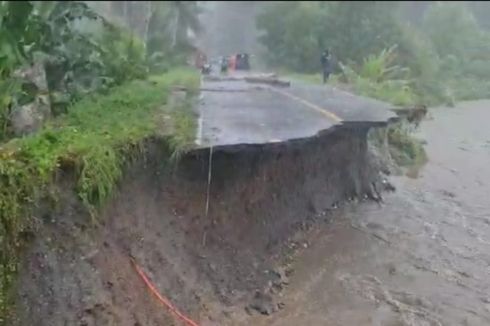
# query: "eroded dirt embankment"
77 274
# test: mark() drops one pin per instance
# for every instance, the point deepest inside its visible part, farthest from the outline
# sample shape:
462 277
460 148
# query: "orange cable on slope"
160 298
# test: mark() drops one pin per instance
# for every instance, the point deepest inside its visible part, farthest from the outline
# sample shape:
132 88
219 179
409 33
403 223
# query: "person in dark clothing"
246 62
326 65
224 65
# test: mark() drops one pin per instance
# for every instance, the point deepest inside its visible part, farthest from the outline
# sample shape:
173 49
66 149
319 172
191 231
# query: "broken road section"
253 109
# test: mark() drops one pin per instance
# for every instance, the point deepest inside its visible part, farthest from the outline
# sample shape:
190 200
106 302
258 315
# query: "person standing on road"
224 64
232 61
326 65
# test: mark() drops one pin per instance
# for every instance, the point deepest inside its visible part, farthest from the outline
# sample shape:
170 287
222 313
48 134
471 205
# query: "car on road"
242 61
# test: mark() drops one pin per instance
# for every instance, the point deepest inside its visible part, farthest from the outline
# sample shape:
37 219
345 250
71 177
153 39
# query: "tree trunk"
175 30
149 15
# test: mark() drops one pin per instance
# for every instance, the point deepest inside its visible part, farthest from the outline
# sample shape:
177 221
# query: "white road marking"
325 112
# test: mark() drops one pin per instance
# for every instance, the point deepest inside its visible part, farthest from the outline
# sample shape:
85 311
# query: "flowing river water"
422 257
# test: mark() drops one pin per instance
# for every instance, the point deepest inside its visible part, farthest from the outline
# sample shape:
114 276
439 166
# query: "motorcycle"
206 69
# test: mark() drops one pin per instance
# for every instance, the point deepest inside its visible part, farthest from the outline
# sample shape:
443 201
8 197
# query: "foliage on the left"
60 51
74 86
94 140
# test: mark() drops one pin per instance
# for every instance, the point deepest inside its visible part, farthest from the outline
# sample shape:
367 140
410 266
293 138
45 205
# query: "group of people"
238 61
225 63
241 62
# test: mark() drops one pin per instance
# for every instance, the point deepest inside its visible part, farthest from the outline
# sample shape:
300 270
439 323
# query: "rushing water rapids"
421 258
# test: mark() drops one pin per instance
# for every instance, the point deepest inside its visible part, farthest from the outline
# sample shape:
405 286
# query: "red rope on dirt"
162 299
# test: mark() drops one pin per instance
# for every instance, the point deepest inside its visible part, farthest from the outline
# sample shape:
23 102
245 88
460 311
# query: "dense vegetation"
406 53
101 83
441 57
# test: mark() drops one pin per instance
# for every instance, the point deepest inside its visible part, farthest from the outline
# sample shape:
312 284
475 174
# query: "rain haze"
244 163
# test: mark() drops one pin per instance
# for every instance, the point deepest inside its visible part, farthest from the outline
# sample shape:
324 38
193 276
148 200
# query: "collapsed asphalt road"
238 112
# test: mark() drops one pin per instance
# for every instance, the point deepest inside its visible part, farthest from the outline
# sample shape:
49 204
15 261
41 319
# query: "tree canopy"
435 40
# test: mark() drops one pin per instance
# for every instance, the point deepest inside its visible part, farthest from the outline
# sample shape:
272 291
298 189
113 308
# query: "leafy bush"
95 139
87 54
122 55
20 32
8 88
382 66
404 149
81 52
380 78
94 134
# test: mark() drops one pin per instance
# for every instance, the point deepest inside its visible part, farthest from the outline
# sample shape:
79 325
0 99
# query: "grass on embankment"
95 139
405 150
308 78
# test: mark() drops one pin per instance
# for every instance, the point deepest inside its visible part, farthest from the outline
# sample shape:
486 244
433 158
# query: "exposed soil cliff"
75 273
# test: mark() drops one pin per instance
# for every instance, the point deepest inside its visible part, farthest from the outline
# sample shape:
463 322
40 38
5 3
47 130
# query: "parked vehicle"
242 61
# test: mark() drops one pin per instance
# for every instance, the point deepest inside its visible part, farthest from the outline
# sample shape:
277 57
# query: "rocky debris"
263 303
35 74
29 118
223 89
388 186
374 194
281 275
222 78
263 76
392 269
268 80
447 193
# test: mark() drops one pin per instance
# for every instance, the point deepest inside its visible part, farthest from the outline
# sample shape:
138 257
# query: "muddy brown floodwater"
421 258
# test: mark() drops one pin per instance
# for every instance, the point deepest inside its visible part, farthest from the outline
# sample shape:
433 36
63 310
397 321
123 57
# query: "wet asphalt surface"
422 257
238 112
